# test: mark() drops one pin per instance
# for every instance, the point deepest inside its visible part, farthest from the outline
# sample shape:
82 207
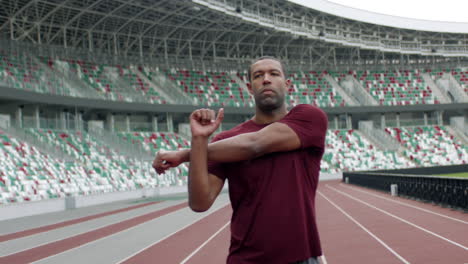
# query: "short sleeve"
310 124
217 168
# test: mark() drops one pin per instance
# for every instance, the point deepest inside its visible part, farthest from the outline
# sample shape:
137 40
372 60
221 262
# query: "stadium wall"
428 170
11 211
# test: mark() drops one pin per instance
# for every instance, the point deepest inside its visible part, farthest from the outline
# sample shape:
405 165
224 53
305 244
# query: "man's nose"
266 78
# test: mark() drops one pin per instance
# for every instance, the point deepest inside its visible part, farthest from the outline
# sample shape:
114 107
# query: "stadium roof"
385 20
215 29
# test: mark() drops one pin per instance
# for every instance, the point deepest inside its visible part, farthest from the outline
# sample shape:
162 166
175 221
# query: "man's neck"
263 118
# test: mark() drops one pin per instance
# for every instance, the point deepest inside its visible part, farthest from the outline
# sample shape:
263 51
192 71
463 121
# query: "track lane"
131 241
215 251
53 248
37 221
178 246
455 231
345 241
413 244
335 229
28 242
33 231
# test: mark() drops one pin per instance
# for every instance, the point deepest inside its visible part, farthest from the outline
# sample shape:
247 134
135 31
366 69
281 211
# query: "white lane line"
324 260
405 204
204 243
171 234
82 232
111 235
365 229
399 218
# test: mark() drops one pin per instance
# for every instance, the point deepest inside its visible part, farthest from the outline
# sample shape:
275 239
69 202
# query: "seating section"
220 89
210 88
140 86
312 88
95 76
430 145
25 72
349 150
30 175
152 142
105 166
462 77
402 87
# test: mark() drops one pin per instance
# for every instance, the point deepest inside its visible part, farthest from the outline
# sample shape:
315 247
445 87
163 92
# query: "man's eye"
257 75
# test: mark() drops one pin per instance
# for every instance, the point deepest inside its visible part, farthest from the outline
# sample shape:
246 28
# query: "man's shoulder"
307 107
307 110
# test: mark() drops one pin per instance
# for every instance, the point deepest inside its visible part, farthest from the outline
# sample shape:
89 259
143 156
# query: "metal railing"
378 136
446 191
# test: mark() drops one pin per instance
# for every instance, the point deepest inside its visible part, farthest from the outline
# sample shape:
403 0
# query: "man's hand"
203 122
169 159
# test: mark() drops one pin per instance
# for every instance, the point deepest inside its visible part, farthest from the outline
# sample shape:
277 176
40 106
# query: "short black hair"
265 58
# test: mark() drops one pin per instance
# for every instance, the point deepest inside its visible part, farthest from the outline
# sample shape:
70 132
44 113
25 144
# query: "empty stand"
349 150
430 145
140 86
399 87
25 72
29 175
152 142
313 88
462 77
210 88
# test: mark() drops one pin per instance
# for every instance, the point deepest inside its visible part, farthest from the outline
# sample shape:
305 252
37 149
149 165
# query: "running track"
357 225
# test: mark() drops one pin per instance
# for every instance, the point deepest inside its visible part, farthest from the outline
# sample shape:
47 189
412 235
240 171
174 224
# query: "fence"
445 191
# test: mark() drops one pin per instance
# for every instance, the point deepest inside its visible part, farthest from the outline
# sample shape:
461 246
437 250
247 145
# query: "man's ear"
288 83
249 87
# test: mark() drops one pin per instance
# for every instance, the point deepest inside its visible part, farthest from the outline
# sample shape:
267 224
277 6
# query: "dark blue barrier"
446 191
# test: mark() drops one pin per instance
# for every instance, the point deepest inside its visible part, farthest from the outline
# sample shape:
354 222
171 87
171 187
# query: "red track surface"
356 225
343 241
41 229
178 246
44 251
413 244
215 251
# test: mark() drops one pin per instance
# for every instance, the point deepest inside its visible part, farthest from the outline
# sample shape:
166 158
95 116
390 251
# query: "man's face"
268 84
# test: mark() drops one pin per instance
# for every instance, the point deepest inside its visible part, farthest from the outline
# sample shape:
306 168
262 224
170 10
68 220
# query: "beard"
269 103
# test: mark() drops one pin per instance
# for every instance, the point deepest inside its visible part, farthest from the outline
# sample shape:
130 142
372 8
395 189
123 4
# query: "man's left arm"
304 129
275 137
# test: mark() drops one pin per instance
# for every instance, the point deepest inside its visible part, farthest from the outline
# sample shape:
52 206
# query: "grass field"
460 174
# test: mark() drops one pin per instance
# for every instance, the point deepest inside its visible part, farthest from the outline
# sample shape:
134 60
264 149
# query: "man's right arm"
203 187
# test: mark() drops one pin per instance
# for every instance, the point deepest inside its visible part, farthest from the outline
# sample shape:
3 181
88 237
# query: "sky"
439 10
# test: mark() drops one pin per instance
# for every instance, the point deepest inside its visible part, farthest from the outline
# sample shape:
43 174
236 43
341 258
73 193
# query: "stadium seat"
349 150
398 87
430 145
152 142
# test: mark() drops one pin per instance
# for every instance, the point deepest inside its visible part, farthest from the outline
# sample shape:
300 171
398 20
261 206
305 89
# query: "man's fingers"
206 116
220 116
160 169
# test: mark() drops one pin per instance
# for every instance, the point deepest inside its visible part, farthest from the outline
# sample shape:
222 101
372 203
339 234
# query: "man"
272 163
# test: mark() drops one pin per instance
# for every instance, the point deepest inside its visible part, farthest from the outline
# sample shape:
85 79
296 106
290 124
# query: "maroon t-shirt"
273 196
